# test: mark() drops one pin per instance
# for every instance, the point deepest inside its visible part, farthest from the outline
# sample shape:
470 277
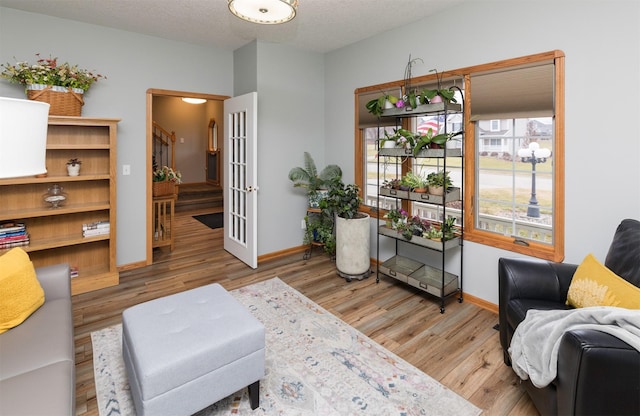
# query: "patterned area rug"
316 364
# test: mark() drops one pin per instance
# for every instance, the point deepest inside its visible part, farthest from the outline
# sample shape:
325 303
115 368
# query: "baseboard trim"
491 307
132 266
281 253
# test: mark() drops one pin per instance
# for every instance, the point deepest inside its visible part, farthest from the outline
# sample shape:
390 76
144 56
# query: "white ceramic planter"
352 247
73 170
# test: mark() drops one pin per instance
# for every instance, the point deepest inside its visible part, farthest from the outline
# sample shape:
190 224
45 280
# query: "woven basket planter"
63 101
164 188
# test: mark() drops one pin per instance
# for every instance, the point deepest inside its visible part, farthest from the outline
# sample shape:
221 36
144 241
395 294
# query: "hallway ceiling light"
194 100
266 12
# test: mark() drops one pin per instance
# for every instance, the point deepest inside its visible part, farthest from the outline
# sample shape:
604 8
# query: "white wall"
132 63
290 122
601 40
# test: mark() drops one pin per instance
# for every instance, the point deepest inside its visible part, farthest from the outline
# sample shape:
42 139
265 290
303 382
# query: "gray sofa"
37 368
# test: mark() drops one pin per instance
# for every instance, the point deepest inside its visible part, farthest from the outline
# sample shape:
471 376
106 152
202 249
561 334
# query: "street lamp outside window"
534 155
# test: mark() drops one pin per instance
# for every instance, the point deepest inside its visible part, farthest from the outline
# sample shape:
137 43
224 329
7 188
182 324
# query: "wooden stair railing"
164 150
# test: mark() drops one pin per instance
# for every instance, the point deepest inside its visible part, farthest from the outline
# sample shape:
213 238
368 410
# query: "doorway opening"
188 143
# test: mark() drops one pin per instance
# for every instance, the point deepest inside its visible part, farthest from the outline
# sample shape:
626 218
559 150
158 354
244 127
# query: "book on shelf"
11 244
95 232
95 225
11 238
13 234
9 226
73 272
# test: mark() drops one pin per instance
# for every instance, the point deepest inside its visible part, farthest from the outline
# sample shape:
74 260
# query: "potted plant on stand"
320 230
315 183
385 101
439 95
352 230
438 182
416 182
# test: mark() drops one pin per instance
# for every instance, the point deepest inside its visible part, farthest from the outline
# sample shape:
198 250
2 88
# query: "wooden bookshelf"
56 233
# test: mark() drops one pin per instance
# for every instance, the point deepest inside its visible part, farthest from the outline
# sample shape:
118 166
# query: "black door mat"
212 221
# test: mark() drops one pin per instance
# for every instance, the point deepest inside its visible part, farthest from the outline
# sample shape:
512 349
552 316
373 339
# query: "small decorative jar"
55 196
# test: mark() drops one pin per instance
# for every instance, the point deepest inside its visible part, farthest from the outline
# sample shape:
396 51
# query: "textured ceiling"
320 25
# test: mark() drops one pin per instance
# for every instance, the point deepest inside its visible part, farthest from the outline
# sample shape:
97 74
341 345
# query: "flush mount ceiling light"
194 100
266 12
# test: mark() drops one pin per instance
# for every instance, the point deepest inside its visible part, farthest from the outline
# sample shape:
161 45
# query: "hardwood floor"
460 348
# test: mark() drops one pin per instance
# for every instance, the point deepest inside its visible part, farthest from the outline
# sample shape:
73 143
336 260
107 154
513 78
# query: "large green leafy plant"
308 177
342 200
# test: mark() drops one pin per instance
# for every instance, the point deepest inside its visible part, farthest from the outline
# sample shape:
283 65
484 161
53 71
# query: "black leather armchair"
598 374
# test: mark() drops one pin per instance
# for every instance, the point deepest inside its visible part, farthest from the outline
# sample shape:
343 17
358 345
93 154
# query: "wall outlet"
303 225
126 170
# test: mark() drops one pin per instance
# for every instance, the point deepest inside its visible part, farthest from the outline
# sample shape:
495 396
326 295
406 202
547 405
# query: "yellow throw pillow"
21 293
593 284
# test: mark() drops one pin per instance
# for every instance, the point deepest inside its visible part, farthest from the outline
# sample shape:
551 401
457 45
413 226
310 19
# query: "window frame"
554 251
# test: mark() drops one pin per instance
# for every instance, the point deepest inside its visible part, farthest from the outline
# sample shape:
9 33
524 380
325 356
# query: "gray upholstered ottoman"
187 351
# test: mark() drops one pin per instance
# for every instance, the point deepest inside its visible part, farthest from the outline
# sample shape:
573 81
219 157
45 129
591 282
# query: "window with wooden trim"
513 149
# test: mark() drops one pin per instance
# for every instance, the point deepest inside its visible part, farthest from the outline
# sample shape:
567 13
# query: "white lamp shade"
23 137
266 12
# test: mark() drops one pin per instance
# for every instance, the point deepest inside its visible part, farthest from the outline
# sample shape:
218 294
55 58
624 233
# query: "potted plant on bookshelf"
73 167
315 183
61 85
166 181
352 230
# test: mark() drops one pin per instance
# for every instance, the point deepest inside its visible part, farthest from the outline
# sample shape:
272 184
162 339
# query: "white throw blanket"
535 343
